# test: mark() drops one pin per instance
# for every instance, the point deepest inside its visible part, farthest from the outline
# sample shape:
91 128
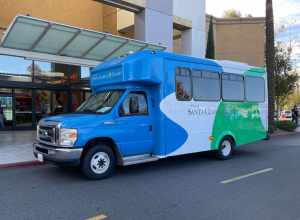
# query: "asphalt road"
188 187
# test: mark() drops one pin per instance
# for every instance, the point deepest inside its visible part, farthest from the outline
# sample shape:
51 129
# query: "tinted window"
206 85
183 84
135 104
255 89
233 87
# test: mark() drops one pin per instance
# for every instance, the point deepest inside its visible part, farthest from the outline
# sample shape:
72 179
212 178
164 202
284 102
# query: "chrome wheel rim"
100 162
226 148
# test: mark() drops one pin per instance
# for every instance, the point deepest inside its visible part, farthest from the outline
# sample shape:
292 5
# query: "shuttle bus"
153 105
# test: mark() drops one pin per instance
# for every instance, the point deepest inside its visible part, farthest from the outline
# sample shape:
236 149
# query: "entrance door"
137 122
23 108
7 109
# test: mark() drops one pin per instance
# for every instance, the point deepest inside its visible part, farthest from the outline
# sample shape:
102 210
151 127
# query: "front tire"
99 162
226 149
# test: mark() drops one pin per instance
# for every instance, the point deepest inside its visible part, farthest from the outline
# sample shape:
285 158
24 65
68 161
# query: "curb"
21 164
284 134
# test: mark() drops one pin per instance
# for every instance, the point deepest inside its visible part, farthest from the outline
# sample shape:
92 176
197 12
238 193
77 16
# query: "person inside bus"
1 116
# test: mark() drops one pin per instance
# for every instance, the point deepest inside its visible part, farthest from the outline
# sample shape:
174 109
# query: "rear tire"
226 149
99 162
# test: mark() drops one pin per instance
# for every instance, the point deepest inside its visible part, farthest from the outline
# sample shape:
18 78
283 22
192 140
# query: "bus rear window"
255 89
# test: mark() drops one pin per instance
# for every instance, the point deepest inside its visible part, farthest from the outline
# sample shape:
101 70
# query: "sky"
282 8
286 12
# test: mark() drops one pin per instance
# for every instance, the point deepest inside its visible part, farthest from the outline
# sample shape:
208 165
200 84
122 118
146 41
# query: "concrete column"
155 23
193 40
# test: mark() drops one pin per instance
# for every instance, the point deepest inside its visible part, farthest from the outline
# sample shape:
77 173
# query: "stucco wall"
240 39
110 19
80 13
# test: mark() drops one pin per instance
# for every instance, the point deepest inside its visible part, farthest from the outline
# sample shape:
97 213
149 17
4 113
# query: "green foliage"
285 80
232 13
210 49
286 125
293 99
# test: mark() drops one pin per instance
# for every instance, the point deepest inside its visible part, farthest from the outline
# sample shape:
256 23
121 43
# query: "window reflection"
15 69
85 72
39 89
49 73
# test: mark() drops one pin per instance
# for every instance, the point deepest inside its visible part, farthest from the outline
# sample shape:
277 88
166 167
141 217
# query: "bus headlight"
67 137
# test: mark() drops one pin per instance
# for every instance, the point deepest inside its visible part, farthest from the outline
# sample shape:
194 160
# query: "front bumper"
58 155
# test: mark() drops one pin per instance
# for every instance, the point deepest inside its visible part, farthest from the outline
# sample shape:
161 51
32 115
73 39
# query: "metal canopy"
40 37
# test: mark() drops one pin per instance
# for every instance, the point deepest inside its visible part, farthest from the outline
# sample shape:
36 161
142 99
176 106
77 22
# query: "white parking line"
98 217
247 175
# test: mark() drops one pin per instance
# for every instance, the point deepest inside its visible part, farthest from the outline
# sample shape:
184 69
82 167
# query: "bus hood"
78 120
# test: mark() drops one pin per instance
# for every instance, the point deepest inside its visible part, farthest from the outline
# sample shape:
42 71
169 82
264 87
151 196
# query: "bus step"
145 158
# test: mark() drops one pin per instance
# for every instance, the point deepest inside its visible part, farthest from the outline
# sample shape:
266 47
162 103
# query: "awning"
40 39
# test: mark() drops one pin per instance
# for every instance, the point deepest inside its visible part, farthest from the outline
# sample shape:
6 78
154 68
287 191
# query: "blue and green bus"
153 105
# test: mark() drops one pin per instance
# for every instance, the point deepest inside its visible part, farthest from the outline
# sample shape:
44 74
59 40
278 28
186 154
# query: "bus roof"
142 66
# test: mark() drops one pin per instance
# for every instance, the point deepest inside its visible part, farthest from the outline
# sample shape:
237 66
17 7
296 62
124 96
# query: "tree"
285 79
232 13
34 69
210 49
270 53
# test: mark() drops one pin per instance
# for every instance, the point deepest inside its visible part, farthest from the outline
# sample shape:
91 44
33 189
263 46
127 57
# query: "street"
186 187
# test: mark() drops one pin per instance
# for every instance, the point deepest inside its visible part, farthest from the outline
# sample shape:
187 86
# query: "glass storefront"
7 108
23 107
31 90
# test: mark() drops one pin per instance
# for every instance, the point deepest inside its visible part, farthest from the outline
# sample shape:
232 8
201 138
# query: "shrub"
286 125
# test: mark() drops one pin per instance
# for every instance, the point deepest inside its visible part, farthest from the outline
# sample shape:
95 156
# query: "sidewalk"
16 147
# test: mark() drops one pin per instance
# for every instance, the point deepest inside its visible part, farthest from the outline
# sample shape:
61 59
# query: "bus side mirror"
134 105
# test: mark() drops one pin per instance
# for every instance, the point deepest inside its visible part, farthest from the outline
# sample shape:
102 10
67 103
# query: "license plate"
40 157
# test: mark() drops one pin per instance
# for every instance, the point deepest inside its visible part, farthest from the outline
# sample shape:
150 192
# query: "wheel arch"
104 140
225 135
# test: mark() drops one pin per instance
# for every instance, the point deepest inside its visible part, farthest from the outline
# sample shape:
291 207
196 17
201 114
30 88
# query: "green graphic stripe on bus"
255 71
239 120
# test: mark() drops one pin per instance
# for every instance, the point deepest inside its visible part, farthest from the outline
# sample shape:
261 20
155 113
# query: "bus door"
136 117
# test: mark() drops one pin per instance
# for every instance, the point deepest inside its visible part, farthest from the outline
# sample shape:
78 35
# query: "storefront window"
59 103
42 104
15 69
6 109
23 107
49 73
40 89
85 72
77 99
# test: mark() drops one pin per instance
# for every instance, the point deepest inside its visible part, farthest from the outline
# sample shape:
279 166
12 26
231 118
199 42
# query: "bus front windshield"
100 103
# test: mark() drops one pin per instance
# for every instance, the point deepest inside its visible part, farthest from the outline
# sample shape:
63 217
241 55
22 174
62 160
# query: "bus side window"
183 84
233 88
206 85
255 89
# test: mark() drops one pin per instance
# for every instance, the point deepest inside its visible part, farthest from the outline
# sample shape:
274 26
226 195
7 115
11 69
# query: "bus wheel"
99 162
225 149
